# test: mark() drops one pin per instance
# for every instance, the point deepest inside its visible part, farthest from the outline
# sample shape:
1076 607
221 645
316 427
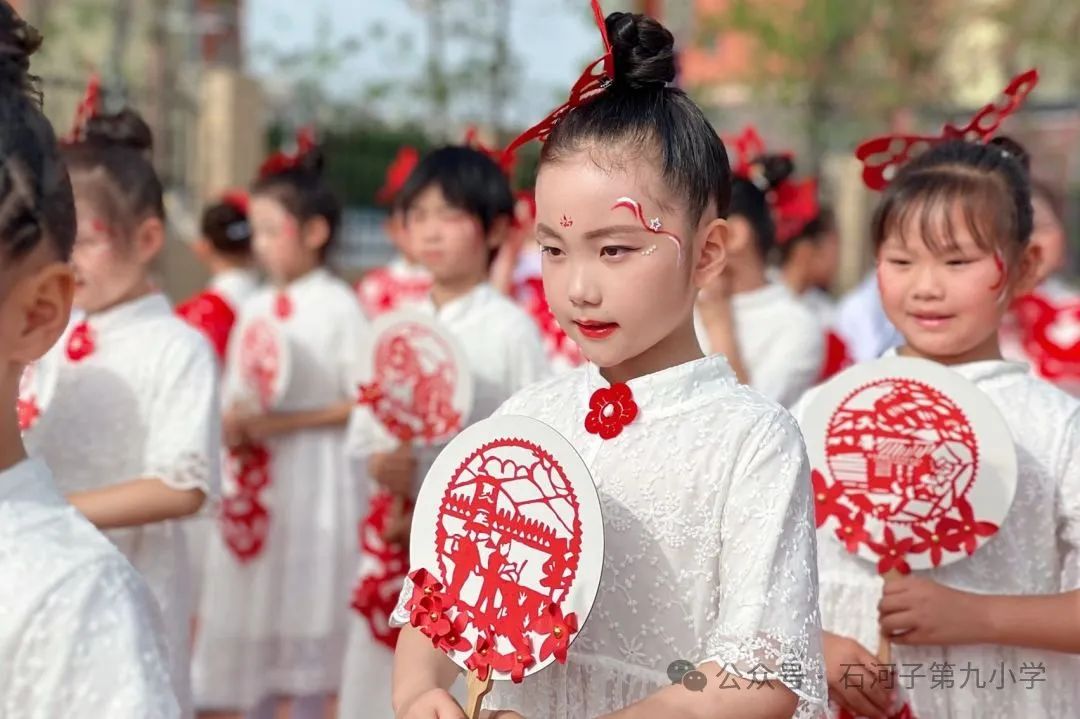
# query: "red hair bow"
397 173
883 156
280 161
89 108
505 159
596 78
236 199
794 205
747 147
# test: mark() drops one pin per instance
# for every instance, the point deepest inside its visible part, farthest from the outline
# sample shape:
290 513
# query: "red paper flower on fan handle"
453 639
893 552
429 616
424 585
515 663
611 409
851 532
963 533
826 499
482 659
557 631
369 394
930 540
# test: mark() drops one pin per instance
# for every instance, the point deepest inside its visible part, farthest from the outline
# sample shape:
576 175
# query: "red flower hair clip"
597 77
89 108
397 173
748 147
236 199
280 161
883 156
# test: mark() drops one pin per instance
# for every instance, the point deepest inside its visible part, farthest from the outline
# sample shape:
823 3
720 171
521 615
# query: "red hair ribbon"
280 161
883 156
89 108
397 173
747 147
595 79
505 159
794 205
236 199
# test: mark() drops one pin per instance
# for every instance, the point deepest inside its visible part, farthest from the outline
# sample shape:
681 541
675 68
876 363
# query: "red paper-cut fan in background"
883 156
397 174
596 77
1050 334
282 161
89 107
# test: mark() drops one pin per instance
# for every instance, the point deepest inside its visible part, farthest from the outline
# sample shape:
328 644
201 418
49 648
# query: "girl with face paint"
953 235
71 602
133 429
709 547
273 612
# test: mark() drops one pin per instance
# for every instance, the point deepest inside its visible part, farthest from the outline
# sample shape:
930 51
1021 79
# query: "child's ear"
1031 272
43 303
149 239
315 233
714 250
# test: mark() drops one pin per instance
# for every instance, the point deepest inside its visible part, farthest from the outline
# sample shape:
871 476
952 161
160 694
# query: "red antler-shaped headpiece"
883 156
281 161
596 77
505 159
397 173
89 108
747 148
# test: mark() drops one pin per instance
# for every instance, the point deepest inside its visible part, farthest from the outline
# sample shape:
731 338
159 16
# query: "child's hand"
914 610
232 427
856 682
433 704
394 470
499 714
398 525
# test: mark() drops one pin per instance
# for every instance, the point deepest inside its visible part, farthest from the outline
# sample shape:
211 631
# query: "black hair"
813 231
469 180
638 110
988 181
304 194
36 201
225 225
111 165
750 198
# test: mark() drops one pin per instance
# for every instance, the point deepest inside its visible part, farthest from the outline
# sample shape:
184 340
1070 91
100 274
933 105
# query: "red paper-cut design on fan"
529 293
397 173
281 161
412 391
80 343
1050 335
883 156
904 454
610 409
89 107
211 314
595 79
837 356
508 544
260 360
376 593
244 520
382 290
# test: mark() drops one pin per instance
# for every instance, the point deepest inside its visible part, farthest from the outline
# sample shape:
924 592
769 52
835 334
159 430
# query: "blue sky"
552 38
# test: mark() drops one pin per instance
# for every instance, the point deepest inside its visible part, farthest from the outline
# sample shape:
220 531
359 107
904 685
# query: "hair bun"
1013 149
122 129
769 171
643 49
18 41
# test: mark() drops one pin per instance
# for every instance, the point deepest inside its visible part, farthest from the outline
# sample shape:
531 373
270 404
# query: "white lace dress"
142 404
505 354
277 624
781 342
1036 551
80 635
709 543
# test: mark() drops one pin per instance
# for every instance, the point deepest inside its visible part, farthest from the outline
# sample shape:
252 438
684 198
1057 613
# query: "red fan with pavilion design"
1050 334
507 547
883 156
913 466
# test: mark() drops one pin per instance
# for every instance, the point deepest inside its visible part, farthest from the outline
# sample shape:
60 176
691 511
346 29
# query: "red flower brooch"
611 409
80 344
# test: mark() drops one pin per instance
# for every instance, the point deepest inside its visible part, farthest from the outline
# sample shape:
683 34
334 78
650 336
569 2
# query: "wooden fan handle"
478 689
